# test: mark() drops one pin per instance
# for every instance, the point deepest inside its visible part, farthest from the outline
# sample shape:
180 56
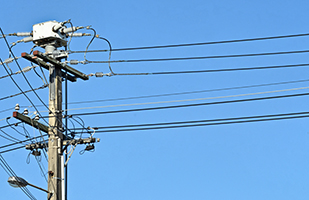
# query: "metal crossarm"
63 66
43 64
30 121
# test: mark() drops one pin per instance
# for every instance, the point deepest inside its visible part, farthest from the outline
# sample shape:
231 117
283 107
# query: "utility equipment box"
48 32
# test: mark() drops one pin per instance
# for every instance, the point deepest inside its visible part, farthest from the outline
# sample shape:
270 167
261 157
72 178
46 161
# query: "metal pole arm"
38 188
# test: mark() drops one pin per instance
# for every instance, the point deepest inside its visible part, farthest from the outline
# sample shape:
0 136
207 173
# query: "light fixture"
18 182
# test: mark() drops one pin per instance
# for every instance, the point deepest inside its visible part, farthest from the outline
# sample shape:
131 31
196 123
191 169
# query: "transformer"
49 32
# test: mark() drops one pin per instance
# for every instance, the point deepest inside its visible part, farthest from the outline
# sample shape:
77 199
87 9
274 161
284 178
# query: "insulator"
78 34
28 39
8 60
74 62
23 34
37 117
68 30
17 107
27 69
99 74
57 27
26 112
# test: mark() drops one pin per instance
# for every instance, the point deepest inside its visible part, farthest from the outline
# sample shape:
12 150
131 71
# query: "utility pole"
55 136
51 35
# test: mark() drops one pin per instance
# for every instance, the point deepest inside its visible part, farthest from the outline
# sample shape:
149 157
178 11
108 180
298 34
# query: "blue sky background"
263 160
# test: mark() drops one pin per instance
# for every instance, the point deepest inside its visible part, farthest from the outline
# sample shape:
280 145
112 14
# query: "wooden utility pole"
54 132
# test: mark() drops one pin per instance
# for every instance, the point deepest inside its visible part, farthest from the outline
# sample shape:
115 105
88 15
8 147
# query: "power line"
202 71
187 124
187 100
192 105
225 70
10 172
182 93
192 92
20 142
198 121
26 69
198 44
17 94
203 57
13 149
11 52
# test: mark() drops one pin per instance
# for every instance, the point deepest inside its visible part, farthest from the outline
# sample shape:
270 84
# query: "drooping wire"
82 123
12 126
68 45
8 137
44 82
94 36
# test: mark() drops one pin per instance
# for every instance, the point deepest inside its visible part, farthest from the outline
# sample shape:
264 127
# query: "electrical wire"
11 125
202 57
20 142
185 124
8 136
17 94
28 84
182 93
192 105
18 72
192 92
12 138
10 172
221 70
199 43
94 35
13 149
17 84
188 100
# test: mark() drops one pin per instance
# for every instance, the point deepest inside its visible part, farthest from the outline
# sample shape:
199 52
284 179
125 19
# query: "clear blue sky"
261 160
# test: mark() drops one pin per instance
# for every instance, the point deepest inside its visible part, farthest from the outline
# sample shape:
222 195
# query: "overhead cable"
192 105
191 92
203 57
199 43
13 149
197 121
14 95
184 125
188 100
100 74
10 172
11 52
20 142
